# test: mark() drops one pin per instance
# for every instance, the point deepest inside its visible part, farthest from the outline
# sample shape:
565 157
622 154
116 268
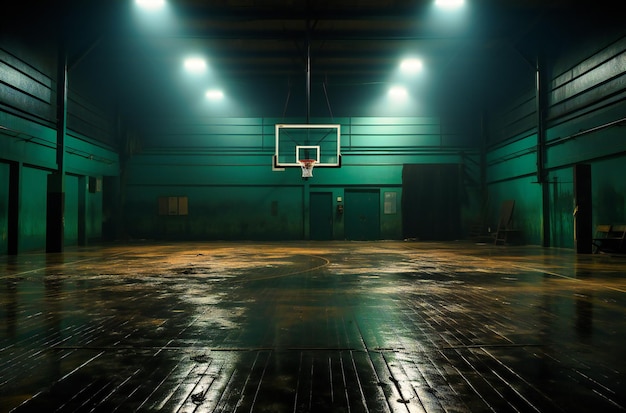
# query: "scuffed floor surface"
312 327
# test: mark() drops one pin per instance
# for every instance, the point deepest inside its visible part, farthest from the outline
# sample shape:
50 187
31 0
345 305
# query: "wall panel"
233 190
586 102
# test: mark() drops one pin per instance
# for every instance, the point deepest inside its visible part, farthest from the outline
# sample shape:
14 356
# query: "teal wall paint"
33 145
562 207
4 207
526 215
586 103
94 215
71 210
224 167
608 188
338 218
218 213
362 216
511 174
32 209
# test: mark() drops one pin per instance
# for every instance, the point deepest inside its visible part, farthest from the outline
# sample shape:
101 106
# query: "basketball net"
307 167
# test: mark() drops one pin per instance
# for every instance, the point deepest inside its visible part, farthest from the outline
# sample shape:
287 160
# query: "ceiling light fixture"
150 4
214 94
449 4
195 64
411 65
398 92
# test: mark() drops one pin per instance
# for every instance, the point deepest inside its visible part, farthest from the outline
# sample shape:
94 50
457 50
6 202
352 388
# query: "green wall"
32 209
584 113
224 168
4 207
32 147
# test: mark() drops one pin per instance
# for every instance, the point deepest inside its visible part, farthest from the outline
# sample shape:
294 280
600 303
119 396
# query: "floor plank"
312 327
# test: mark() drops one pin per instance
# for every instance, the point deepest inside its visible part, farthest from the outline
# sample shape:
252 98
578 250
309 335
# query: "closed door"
362 215
321 216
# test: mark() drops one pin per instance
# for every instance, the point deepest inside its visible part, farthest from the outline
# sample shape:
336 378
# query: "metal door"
362 215
321 216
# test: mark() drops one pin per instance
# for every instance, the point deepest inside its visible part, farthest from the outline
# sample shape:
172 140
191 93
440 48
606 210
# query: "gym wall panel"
518 158
608 188
561 195
32 143
527 216
24 88
32 209
516 118
4 207
94 217
584 117
218 213
233 191
71 210
28 136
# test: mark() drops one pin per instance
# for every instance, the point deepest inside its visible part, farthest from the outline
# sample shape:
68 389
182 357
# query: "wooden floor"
312 327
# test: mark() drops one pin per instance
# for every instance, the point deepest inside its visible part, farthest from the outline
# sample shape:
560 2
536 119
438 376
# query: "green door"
362 215
321 216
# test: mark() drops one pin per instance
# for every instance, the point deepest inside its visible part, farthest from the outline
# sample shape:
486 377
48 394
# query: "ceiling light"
398 92
195 64
214 94
449 4
411 65
150 4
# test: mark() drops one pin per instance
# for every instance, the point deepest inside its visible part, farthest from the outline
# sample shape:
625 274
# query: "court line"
61 265
559 275
269 277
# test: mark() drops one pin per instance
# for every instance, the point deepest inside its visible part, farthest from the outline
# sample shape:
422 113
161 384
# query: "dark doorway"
321 216
430 201
362 215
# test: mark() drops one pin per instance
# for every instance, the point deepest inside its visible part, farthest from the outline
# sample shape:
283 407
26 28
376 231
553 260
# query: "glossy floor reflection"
312 327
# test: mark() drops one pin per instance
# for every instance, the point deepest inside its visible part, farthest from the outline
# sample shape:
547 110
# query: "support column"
55 210
55 213
542 173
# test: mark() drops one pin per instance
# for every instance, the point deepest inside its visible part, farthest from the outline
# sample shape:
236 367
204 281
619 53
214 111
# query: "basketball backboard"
297 142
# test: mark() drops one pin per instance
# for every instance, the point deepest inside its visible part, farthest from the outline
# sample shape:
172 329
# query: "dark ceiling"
259 50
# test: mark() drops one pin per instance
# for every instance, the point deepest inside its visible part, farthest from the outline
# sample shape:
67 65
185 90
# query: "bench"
609 238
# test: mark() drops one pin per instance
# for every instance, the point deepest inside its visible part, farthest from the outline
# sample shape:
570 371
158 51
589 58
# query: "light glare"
411 65
398 92
214 94
449 4
195 64
150 4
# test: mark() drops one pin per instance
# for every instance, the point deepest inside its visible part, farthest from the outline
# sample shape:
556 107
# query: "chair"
503 229
609 238
617 236
601 234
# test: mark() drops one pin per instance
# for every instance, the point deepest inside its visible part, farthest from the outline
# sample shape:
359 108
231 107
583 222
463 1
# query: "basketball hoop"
307 167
